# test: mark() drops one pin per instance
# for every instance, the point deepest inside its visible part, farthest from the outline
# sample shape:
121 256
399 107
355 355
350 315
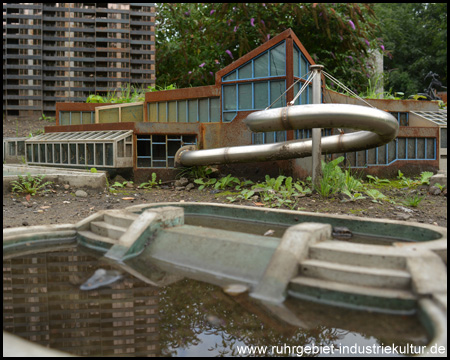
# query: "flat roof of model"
112 135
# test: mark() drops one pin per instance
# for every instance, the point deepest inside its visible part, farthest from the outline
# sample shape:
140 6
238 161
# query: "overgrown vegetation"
336 184
127 94
340 35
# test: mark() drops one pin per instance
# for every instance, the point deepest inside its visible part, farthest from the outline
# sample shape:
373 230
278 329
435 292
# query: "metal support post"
316 132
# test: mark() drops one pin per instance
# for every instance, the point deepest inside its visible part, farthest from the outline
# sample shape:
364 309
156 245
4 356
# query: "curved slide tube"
379 128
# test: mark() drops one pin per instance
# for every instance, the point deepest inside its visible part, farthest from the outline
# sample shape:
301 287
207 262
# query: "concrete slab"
429 274
77 178
439 179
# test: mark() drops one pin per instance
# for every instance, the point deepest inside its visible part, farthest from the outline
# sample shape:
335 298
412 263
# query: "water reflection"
42 302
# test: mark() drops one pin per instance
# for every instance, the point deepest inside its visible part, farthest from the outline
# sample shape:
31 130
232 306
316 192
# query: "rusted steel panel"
409 131
330 96
167 128
183 94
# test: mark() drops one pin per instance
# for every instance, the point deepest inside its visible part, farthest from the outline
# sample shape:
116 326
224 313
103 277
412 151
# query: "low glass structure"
113 149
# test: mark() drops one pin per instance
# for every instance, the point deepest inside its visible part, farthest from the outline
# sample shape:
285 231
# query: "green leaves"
216 30
150 183
29 184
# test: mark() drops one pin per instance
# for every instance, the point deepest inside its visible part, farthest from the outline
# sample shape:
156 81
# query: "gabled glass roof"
81 136
438 117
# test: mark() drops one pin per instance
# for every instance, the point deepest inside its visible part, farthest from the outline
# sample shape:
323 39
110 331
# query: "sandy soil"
61 205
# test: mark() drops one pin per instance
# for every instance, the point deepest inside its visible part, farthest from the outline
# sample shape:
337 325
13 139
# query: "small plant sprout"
413 201
120 185
150 183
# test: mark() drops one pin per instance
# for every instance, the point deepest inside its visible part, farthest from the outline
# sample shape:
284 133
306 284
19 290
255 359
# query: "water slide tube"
378 128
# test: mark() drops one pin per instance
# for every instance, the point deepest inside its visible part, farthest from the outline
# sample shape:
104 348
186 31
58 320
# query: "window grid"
399 147
156 111
63 121
160 149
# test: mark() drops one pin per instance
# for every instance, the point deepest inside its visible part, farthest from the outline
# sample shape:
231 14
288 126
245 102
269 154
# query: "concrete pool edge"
432 296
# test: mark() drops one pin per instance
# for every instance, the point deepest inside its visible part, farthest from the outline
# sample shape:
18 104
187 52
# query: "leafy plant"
376 195
351 183
413 201
150 183
120 185
47 118
205 182
29 184
245 194
441 187
377 181
93 170
424 177
195 172
353 196
95 99
226 182
332 180
404 181
243 184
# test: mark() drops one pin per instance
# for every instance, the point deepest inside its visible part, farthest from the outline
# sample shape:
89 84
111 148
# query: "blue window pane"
231 76
214 110
245 97
278 60
258 138
193 110
245 72
304 66
296 62
269 137
182 111
261 95
262 66
276 89
229 97
203 110
228 116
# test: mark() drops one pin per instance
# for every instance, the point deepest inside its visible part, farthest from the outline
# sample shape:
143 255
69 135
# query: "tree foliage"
195 40
416 36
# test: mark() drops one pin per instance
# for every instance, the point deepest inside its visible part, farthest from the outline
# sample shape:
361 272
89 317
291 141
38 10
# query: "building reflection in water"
42 302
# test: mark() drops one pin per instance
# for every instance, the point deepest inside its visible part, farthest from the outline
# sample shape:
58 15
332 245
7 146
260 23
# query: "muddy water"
42 302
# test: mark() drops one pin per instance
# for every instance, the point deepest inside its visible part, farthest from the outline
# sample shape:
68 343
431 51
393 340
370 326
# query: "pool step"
105 229
357 275
100 241
351 295
122 219
341 252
